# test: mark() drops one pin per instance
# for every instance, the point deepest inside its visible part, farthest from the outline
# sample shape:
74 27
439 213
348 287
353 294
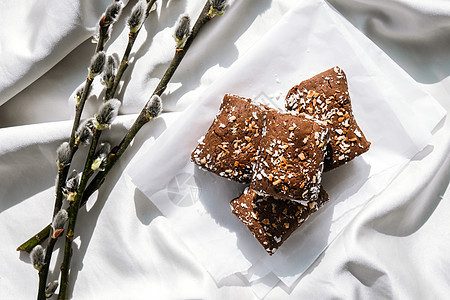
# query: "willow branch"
141 120
116 152
102 34
43 273
125 58
73 213
62 173
181 52
79 111
123 66
28 245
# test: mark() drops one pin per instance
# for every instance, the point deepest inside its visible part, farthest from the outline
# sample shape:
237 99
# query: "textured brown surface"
229 147
290 157
326 98
271 220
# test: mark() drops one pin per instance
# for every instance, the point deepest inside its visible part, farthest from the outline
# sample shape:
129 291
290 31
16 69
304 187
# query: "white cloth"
396 245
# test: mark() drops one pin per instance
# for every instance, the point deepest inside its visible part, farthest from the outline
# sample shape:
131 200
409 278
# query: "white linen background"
395 248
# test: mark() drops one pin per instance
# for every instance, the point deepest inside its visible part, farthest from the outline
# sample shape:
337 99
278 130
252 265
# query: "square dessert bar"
290 157
326 98
271 220
228 148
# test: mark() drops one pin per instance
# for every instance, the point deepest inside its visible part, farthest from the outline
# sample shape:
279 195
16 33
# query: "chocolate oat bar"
228 148
326 98
271 220
290 157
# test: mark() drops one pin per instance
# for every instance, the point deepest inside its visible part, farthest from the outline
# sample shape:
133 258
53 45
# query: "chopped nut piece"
278 181
312 205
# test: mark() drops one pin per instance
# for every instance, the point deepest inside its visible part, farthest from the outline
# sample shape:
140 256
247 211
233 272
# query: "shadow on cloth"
20 170
170 10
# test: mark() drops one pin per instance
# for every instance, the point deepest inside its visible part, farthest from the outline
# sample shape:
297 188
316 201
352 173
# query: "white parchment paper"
395 115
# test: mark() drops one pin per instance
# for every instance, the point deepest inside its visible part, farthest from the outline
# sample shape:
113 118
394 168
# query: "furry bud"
182 30
217 7
100 157
63 155
97 64
84 132
72 184
113 11
79 93
50 289
106 114
137 16
153 107
37 257
58 223
109 72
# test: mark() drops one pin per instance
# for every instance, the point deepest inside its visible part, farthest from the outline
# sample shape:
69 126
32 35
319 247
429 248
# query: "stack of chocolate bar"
281 155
